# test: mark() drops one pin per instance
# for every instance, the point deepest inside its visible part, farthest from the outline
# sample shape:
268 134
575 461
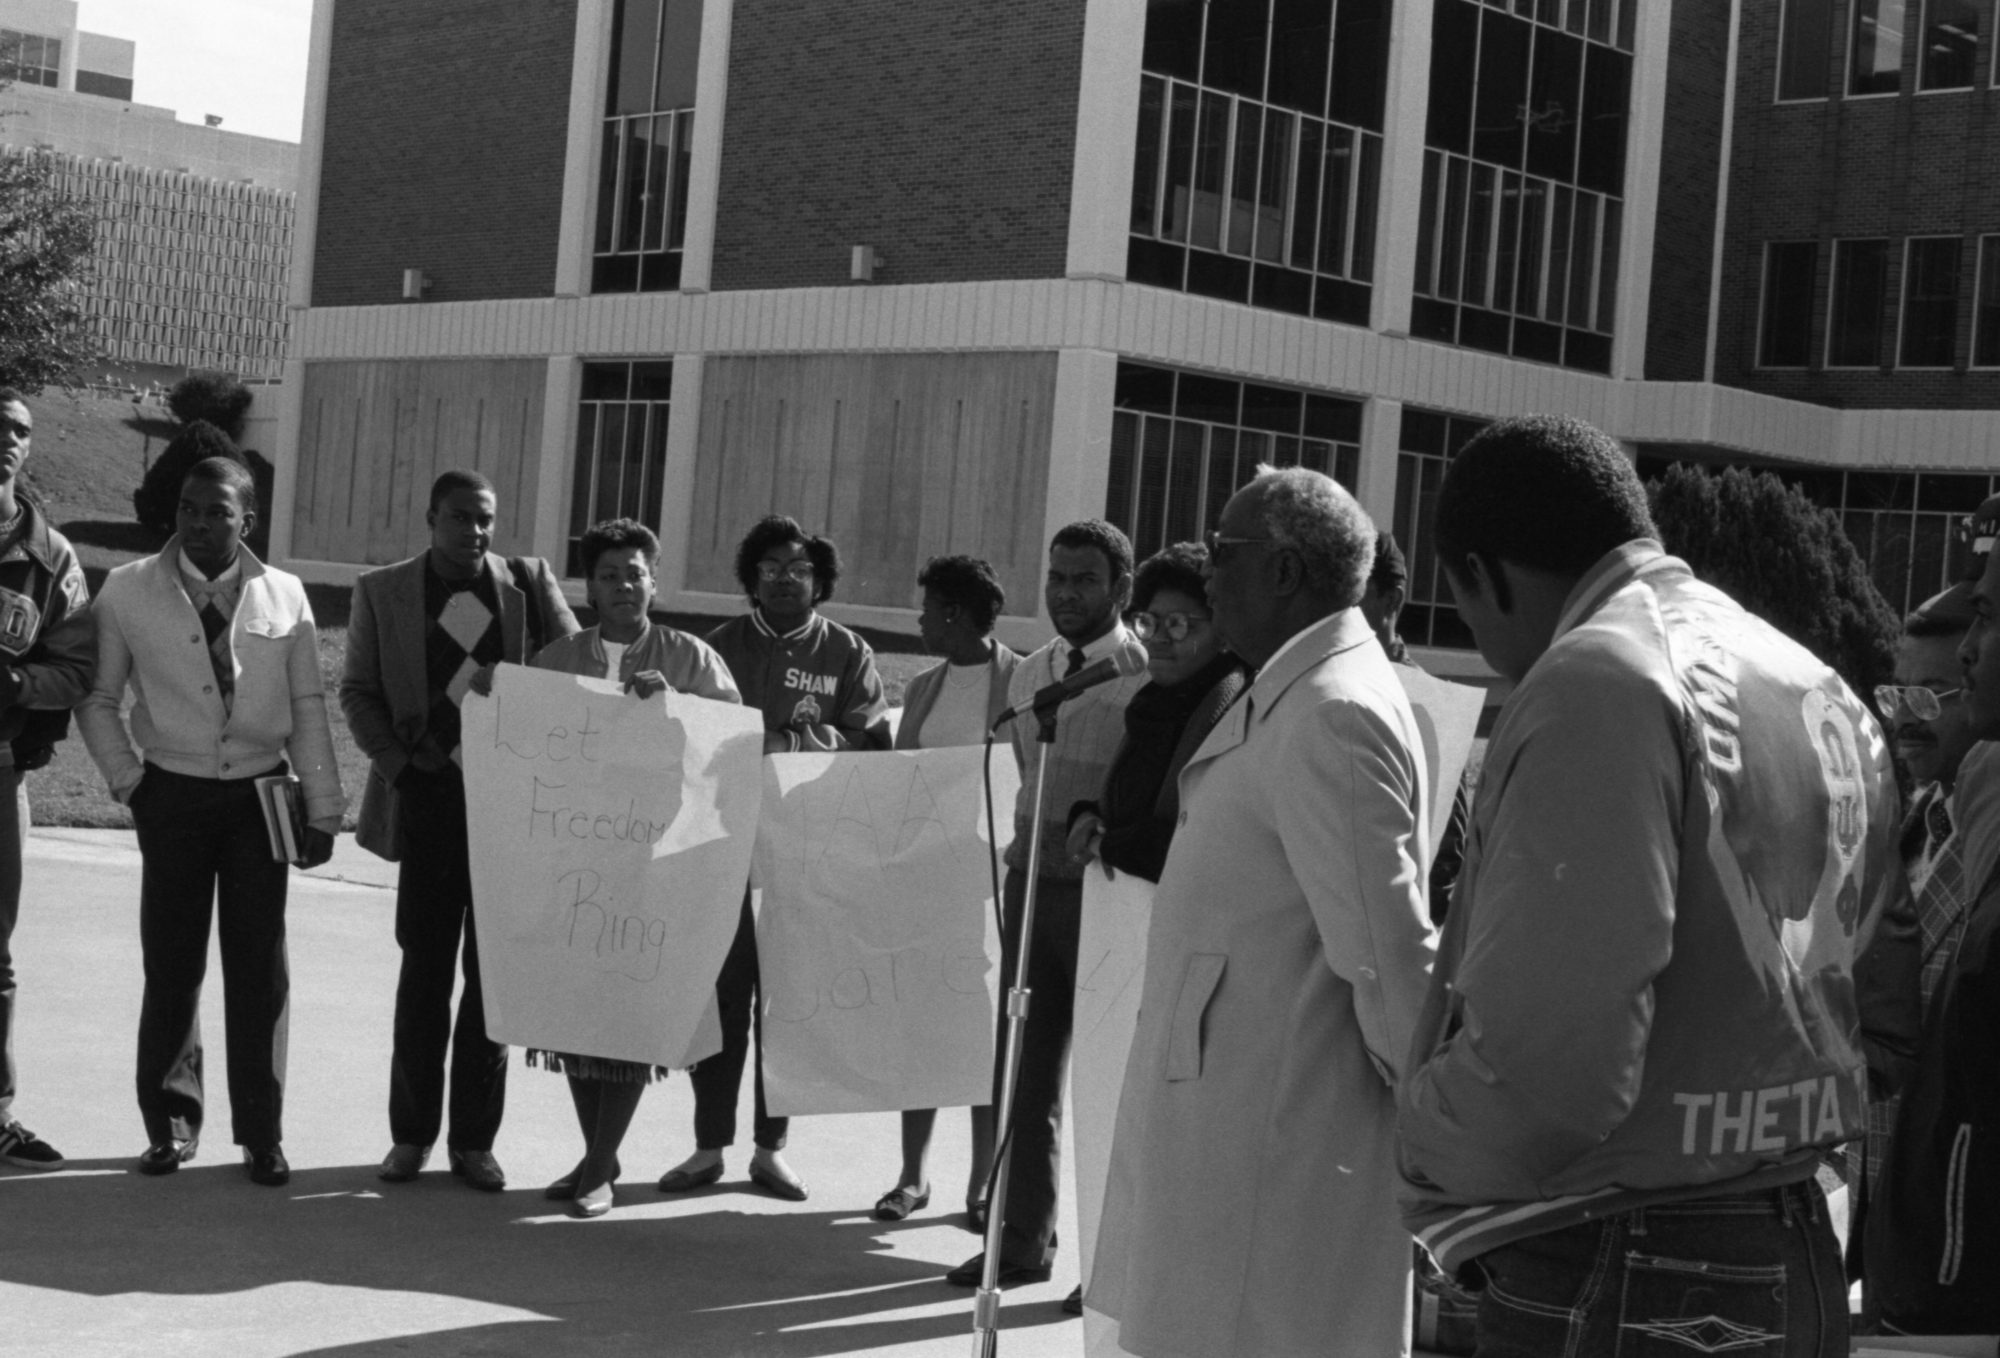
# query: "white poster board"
610 842
877 943
1448 719
1110 973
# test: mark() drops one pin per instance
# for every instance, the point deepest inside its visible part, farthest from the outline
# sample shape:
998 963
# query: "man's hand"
10 686
1085 836
481 681
317 848
646 683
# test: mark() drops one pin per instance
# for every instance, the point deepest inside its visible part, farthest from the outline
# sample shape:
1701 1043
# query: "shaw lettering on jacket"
805 681
1757 1119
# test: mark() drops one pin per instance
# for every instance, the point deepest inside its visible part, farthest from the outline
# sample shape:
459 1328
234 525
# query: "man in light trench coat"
1251 1208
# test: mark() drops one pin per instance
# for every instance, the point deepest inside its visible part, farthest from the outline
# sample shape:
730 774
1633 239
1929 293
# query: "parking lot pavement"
97 1260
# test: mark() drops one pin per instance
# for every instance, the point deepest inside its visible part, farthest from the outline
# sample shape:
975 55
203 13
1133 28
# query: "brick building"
194 223
941 277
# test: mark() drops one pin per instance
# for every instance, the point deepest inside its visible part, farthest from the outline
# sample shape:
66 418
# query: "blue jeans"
1751 1274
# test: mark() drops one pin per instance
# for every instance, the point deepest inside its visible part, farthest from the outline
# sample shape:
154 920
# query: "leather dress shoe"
479 1169
164 1157
681 1180
564 1189
973 1270
267 1166
403 1163
791 1190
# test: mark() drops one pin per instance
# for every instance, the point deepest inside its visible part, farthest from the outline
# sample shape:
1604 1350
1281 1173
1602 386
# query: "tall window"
30 58
621 448
1785 334
1182 443
648 127
1260 151
1930 303
1875 48
1428 442
1854 313
1524 179
1951 43
1805 46
1986 320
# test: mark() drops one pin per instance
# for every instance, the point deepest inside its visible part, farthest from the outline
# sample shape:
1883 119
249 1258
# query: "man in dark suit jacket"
420 630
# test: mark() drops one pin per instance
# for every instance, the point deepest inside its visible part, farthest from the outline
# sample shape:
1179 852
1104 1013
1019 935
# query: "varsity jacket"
816 682
688 664
1645 992
47 637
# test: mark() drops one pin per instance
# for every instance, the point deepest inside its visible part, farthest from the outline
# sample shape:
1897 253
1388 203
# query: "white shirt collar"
194 576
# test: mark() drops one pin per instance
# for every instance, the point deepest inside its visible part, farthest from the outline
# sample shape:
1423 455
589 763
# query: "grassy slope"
89 455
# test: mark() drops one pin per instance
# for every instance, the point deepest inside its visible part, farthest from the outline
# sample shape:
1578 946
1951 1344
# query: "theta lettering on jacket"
1741 1121
20 622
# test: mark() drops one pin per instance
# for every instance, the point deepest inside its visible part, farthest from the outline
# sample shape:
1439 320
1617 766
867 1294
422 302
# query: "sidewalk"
97 1260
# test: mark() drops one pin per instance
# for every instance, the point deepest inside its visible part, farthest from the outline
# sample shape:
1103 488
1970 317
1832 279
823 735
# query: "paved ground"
97 1260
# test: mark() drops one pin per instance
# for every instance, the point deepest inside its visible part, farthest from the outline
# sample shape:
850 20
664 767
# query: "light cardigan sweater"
149 635
922 695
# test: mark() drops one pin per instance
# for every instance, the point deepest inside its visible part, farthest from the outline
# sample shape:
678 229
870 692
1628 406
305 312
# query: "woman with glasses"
1193 681
816 684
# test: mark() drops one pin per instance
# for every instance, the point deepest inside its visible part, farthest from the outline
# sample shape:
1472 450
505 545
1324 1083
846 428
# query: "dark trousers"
433 914
13 830
717 1079
1034 1167
1751 1272
204 849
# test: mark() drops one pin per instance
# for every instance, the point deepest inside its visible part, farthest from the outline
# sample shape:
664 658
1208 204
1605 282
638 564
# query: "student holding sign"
816 684
648 658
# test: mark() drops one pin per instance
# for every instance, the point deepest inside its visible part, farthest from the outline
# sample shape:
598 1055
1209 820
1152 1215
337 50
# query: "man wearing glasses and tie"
816 684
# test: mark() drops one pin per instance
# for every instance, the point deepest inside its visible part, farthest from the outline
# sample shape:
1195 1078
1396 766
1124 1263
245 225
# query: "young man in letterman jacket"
816 684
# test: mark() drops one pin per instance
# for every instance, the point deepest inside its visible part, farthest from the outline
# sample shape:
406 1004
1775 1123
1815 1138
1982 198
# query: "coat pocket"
1199 979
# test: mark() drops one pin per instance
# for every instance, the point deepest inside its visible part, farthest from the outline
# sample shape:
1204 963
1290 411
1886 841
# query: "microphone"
1123 665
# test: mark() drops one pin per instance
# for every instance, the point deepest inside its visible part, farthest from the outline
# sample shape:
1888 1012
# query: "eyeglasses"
1176 626
1216 542
770 572
1924 703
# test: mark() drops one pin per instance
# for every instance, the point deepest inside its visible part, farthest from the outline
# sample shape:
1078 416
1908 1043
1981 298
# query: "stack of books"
284 816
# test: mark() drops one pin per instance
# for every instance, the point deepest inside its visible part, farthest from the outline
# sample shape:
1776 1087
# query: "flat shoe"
595 1203
973 1270
479 1169
776 1187
167 1156
898 1203
564 1189
681 1180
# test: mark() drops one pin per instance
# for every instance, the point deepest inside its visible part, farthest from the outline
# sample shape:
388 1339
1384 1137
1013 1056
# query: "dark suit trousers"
204 847
13 830
433 915
1034 1167
717 1079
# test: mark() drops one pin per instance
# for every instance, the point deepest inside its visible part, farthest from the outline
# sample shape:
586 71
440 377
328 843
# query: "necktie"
1937 826
1075 661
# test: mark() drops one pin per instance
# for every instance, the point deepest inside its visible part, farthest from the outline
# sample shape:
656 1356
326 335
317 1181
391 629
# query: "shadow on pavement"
708 1280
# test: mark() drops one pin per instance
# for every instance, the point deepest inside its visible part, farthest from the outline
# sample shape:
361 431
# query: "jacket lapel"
406 668
513 610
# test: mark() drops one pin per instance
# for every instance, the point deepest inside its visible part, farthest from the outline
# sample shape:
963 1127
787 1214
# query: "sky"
242 59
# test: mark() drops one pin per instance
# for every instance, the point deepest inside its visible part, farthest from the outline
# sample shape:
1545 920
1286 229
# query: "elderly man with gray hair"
1251 1207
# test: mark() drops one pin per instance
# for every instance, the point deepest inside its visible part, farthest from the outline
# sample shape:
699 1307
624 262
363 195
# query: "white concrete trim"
1399 204
1080 442
1643 138
677 479
561 386
589 75
1107 132
1381 441
1718 253
312 147
283 508
711 97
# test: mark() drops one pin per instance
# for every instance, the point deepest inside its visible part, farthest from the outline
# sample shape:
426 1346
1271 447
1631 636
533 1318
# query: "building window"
1524 178
1805 46
621 448
1986 320
1260 152
1950 43
1875 50
30 58
1428 441
1930 303
1182 443
1854 315
104 86
648 132
1785 335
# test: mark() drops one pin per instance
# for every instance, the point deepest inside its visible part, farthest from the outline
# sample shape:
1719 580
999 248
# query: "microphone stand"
986 1301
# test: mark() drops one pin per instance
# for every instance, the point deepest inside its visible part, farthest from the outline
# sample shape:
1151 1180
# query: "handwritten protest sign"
1448 719
876 938
1110 972
610 841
